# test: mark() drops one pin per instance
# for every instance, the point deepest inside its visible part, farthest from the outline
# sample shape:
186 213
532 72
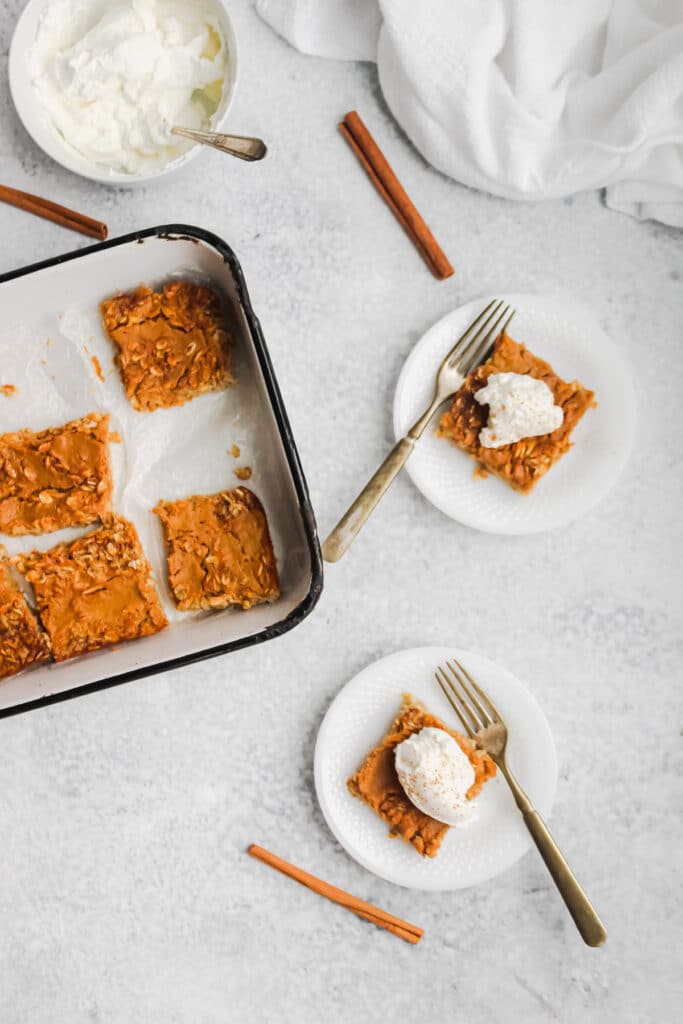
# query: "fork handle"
358 514
585 916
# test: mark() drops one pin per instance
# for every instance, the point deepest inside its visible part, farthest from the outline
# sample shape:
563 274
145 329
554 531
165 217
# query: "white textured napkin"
528 99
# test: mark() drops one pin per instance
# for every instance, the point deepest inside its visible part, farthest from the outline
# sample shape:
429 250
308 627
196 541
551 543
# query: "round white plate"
564 333
358 719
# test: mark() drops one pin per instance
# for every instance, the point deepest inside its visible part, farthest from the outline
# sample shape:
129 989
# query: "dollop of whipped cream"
436 775
114 76
519 406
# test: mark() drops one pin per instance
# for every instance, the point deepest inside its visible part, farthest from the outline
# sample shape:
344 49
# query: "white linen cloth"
528 99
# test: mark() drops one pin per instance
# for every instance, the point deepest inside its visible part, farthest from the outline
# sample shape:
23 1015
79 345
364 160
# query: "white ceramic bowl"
43 132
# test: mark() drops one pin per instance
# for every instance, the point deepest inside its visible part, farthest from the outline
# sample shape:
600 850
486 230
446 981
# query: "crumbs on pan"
243 473
115 437
234 451
9 390
480 473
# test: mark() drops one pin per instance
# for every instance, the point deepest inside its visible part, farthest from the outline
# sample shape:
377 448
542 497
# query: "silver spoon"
242 146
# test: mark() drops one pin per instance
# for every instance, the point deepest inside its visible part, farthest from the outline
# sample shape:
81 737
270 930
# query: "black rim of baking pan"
188 232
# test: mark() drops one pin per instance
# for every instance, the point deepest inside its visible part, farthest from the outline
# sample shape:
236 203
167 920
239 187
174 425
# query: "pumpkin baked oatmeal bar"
55 478
94 591
522 464
219 550
171 345
22 642
377 784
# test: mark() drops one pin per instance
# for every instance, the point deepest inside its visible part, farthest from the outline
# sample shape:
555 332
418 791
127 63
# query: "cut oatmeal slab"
522 464
22 642
94 591
171 345
55 478
219 550
376 781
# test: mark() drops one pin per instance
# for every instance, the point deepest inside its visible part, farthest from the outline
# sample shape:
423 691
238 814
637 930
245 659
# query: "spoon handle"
242 146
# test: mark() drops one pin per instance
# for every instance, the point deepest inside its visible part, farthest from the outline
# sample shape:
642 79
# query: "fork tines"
478 348
474 709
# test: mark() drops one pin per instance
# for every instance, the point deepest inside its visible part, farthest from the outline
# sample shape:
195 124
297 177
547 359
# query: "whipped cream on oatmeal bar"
114 76
519 406
436 775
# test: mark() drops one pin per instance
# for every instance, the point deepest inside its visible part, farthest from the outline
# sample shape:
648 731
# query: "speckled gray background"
125 892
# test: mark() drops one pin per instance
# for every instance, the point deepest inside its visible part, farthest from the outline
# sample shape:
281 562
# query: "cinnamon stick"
377 182
53 211
395 196
403 929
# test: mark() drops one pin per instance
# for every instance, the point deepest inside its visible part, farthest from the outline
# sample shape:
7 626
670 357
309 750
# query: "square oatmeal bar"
219 550
171 345
376 782
94 591
522 464
55 478
22 642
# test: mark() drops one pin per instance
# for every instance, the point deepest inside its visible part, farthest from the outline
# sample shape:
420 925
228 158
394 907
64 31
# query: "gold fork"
472 348
483 724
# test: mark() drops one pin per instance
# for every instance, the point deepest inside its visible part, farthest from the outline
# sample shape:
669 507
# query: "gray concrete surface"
125 892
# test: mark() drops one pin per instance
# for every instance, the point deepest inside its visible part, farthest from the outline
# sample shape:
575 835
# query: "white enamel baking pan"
54 350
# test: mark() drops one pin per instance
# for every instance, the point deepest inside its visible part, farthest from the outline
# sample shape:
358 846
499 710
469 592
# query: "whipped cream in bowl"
100 83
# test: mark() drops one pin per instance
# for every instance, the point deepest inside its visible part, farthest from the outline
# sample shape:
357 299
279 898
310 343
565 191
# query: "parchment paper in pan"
169 453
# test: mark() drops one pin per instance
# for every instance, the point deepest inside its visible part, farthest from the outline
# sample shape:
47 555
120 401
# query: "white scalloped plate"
562 331
358 718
